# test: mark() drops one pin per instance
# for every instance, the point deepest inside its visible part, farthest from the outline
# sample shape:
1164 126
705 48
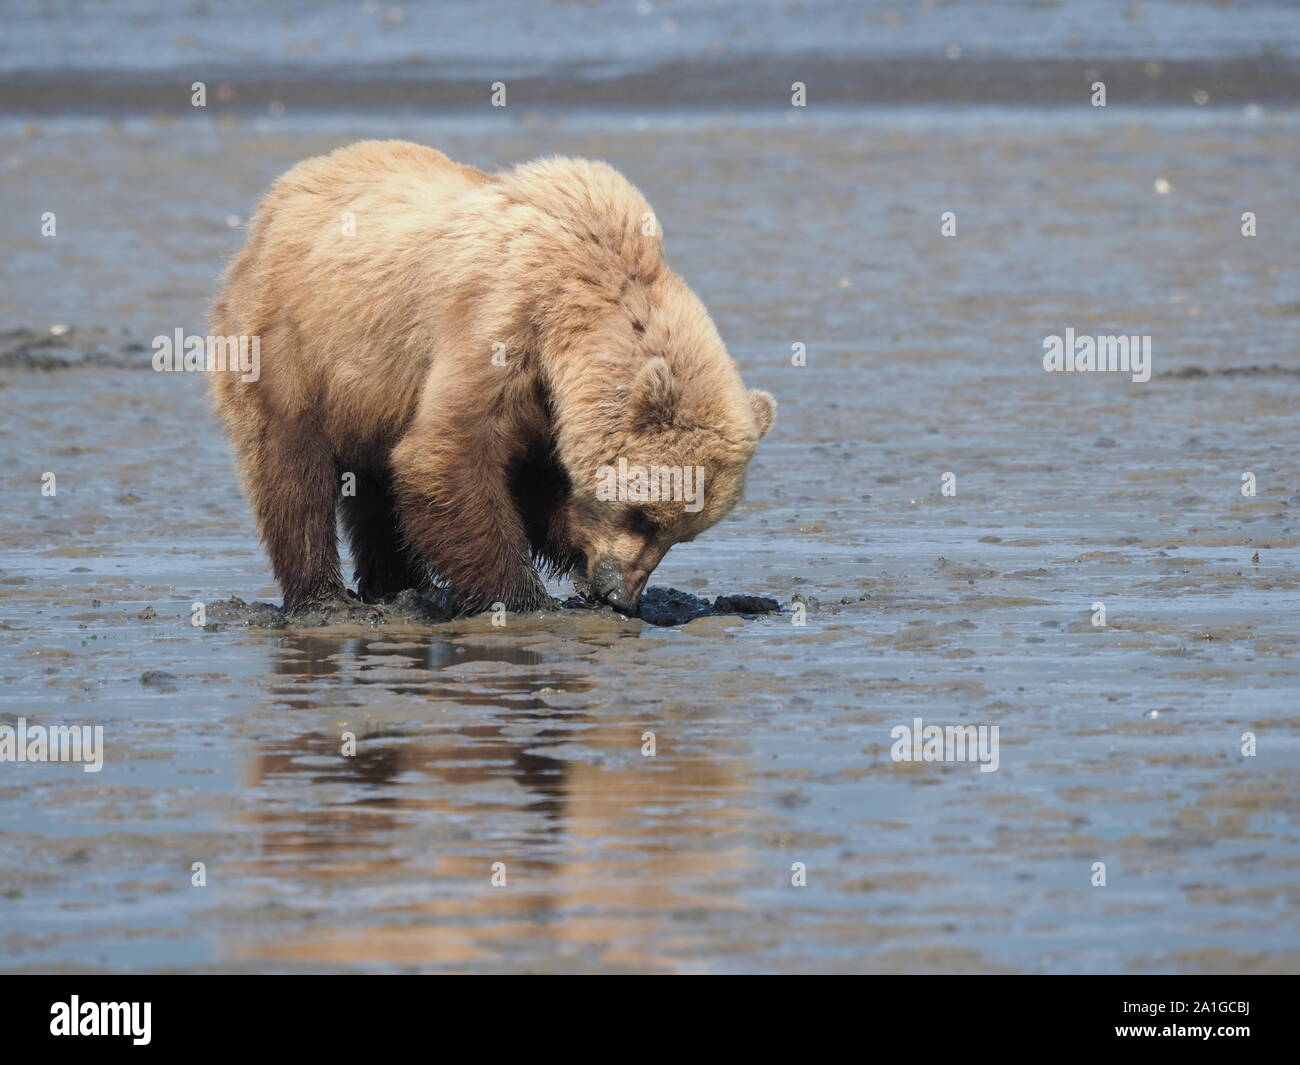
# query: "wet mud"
391 790
659 606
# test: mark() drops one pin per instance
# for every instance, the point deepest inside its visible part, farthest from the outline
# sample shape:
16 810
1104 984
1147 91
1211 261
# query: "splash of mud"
659 606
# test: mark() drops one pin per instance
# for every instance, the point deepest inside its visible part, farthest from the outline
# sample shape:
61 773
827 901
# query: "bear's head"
674 467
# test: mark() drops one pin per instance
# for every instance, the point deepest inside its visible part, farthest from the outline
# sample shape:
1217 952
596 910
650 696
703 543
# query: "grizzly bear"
453 362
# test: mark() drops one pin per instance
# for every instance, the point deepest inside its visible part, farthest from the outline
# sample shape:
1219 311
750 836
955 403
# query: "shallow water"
523 745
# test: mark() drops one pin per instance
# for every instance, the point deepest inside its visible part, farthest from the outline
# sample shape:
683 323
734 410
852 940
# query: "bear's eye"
639 522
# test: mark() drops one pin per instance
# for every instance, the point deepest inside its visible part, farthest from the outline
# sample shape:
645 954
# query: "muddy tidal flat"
928 534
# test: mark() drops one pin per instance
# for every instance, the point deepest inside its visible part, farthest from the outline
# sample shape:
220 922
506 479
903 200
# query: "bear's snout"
608 585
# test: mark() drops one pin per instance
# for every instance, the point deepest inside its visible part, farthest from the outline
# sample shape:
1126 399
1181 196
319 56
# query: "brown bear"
480 353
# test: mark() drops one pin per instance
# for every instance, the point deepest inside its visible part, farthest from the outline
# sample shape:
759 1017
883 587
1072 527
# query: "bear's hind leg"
290 476
384 565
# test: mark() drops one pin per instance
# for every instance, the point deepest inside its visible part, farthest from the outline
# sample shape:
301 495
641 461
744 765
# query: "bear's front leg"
457 512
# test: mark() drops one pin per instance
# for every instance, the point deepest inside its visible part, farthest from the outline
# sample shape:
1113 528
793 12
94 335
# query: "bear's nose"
608 585
621 599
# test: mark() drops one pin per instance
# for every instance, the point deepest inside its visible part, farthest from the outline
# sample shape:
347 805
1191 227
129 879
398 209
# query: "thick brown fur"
377 358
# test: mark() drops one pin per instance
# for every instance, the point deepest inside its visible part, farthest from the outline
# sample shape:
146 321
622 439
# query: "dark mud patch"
1272 370
67 347
668 606
659 606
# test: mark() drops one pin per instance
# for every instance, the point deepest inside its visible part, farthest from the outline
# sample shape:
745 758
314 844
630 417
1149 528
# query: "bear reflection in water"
605 852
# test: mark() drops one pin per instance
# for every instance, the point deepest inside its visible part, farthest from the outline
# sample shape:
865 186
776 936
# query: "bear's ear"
652 399
764 408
